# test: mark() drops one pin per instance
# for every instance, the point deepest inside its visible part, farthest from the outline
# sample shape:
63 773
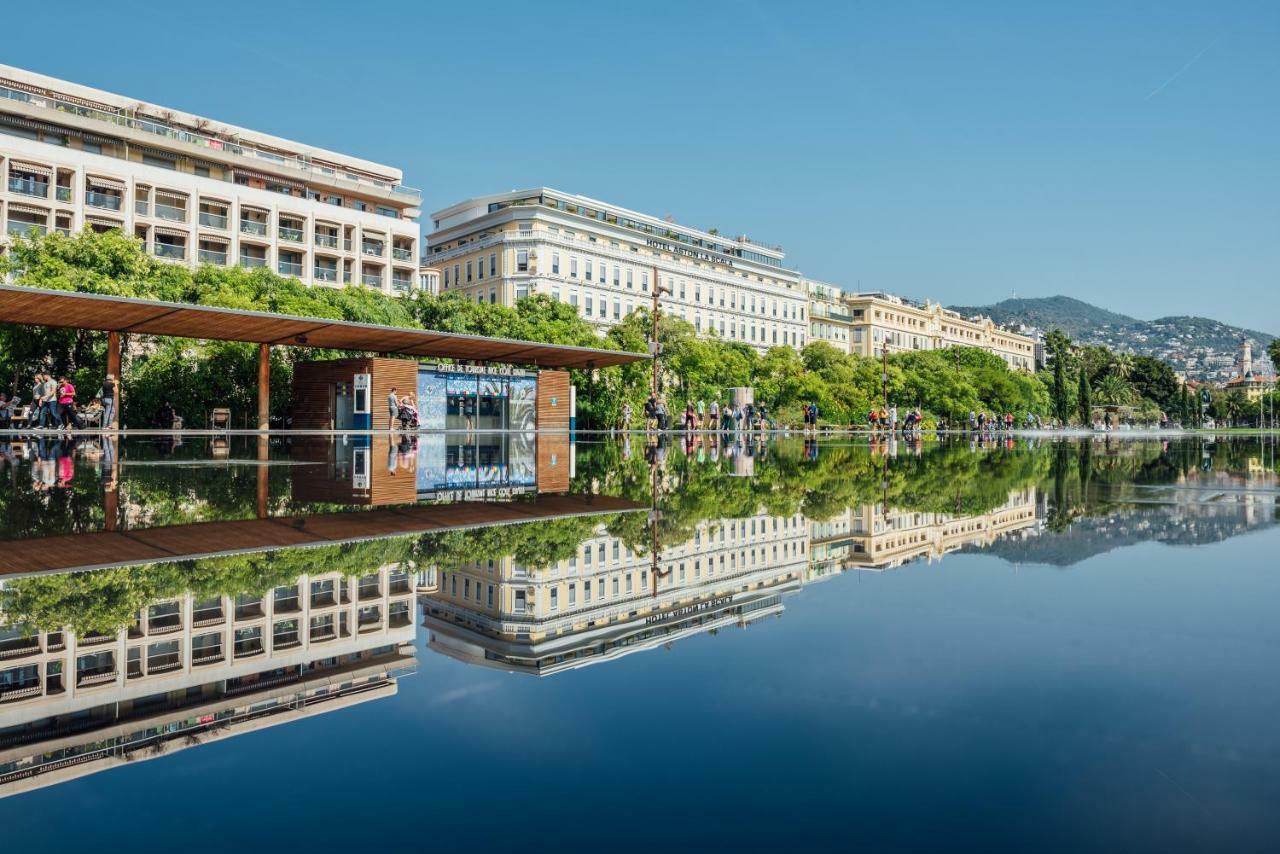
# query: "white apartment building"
604 260
197 191
871 324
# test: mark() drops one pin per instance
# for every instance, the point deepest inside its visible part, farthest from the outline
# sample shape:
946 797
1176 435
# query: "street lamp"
655 347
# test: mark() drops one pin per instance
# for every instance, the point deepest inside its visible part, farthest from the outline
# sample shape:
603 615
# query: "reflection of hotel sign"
481 370
688 610
476 494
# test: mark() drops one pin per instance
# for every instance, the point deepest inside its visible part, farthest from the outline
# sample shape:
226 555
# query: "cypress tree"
1084 399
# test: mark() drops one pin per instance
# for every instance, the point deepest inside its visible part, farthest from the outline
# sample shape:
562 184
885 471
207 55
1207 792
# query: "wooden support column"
113 368
264 492
264 386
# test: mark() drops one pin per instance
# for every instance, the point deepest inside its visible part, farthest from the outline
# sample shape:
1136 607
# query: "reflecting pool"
501 641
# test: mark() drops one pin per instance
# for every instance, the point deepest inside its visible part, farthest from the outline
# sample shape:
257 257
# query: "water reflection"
156 596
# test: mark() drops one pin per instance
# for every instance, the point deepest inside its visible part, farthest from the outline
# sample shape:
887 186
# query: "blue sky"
1122 153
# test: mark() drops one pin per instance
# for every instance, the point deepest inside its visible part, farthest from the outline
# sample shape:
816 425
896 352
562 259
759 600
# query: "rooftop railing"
123 118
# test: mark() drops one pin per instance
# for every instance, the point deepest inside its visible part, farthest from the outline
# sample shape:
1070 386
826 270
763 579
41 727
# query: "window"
588 271
587 312
586 591
630 282
468 271
446 277
617 275
522 261
493 264
555 599
617 310
644 282
490 595
573 268
573 594
604 308
555 263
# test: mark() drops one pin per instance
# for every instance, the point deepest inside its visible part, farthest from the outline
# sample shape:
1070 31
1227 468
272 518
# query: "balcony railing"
329 240
63 194
402 254
171 212
346 244
128 118
170 250
213 220
400 284
374 249
94 199
211 256
250 261
96 676
293 235
290 268
141 206
22 229
373 280
252 226
29 187
326 274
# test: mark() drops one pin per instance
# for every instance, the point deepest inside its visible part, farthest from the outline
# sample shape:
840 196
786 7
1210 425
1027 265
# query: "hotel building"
604 260
197 191
866 324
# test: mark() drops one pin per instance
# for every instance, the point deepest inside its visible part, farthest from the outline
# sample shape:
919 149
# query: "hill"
1200 346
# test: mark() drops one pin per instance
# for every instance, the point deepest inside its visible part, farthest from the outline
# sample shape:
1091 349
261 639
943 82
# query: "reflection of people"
393 408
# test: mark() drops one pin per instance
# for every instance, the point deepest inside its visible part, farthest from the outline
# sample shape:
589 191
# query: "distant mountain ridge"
1202 347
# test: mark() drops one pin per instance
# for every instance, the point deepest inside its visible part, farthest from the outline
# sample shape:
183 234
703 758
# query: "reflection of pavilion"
190 669
870 537
403 468
601 604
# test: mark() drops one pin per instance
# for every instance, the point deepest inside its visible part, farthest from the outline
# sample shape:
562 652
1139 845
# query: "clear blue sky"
1123 153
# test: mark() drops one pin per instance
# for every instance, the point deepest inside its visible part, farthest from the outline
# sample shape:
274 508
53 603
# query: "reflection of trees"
108 599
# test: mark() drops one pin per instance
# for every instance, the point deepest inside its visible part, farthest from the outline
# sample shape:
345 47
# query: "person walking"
66 404
393 409
714 421
626 417
107 394
702 413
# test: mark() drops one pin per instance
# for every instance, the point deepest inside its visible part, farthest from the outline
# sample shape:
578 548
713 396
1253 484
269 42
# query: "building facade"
605 260
869 324
196 191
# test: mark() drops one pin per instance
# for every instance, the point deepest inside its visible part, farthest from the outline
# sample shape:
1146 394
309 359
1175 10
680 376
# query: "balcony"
121 118
371 248
63 194
253 226
170 250
346 244
402 254
213 220
22 228
401 284
29 187
212 256
293 235
372 280
326 274
289 268
106 201
173 213
207 615
96 676
248 647
141 207
327 240
251 261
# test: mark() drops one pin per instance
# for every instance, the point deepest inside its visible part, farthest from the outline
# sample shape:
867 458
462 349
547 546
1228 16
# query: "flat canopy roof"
76 310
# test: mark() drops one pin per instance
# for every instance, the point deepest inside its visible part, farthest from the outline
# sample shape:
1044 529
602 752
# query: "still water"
507 643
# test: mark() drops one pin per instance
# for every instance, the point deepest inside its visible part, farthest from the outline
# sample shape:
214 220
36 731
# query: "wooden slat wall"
401 373
553 385
313 388
553 462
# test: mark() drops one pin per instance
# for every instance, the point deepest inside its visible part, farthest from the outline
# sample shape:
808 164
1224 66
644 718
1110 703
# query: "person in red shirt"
66 404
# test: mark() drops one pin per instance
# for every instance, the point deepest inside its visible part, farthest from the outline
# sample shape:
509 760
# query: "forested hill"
1203 347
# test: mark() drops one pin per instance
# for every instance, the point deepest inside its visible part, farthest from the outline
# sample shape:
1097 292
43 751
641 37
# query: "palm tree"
1114 390
1122 365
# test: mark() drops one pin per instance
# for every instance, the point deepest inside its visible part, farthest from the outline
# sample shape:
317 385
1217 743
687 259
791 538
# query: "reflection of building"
405 468
605 601
602 260
197 667
871 538
195 191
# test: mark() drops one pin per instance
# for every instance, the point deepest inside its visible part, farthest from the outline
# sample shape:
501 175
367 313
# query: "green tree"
1084 400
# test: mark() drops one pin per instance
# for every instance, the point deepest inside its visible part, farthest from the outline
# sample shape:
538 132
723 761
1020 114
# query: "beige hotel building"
868 324
604 260
198 191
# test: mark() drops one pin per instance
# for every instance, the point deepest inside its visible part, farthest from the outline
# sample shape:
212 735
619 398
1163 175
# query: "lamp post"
655 347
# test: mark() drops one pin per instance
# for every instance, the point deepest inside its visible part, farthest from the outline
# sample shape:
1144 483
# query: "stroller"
408 417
